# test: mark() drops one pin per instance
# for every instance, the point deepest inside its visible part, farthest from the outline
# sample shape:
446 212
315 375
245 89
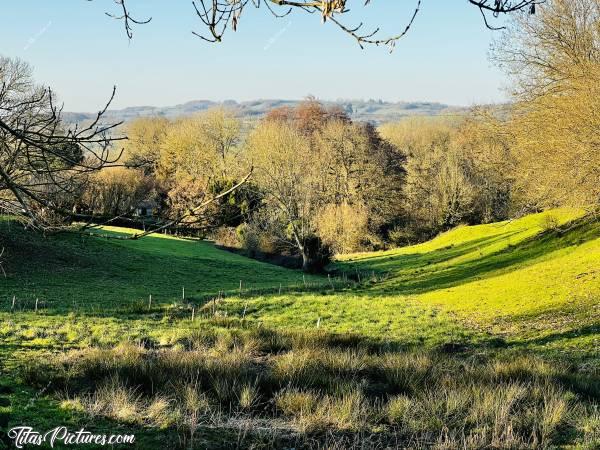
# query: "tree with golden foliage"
145 137
197 155
554 58
314 166
458 170
285 173
114 191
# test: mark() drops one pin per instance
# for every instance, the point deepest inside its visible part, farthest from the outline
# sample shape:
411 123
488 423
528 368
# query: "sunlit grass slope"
533 281
538 276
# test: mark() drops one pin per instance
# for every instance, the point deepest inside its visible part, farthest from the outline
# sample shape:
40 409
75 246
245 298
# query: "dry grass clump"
320 368
313 412
316 391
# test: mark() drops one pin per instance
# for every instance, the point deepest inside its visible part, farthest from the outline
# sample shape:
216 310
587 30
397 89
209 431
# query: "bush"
317 255
248 238
227 237
345 228
549 222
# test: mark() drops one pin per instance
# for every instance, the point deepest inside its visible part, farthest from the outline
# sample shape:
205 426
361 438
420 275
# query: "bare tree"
43 163
217 16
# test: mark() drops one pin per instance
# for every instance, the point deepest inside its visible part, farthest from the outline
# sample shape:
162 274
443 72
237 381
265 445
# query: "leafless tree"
217 16
43 163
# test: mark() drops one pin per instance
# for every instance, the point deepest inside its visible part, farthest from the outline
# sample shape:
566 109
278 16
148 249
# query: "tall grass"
317 390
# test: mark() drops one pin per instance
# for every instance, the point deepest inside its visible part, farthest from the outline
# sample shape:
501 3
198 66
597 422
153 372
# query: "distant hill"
376 111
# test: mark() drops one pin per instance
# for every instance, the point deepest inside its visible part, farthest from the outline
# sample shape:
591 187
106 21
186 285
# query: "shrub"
227 237
549 222
345 227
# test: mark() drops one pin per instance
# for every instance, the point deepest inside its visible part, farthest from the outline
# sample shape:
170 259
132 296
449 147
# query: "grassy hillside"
512 307
70 273
534 282
538 276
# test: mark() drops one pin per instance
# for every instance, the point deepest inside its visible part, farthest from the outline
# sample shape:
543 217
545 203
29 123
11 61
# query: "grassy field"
369 357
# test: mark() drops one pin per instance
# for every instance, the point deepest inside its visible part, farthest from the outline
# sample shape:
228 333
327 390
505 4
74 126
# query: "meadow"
486 336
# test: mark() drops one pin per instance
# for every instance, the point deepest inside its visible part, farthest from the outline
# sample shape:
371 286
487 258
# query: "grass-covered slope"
533 281
535 276
71 272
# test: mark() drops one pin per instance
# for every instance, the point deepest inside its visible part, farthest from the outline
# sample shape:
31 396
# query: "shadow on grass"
592 329
70 272
293 376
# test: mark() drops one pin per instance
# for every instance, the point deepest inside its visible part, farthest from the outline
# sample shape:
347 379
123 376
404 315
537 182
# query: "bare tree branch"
217 16
43 162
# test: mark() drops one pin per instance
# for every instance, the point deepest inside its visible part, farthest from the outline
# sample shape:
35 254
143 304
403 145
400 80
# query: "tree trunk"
307 261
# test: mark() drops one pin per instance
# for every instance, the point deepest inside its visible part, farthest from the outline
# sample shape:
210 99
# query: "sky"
80 52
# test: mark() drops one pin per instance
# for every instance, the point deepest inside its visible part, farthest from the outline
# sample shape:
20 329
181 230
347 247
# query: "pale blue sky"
75 48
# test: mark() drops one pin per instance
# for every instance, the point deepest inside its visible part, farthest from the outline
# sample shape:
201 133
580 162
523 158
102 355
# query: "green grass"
538 286
84 273
527 288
